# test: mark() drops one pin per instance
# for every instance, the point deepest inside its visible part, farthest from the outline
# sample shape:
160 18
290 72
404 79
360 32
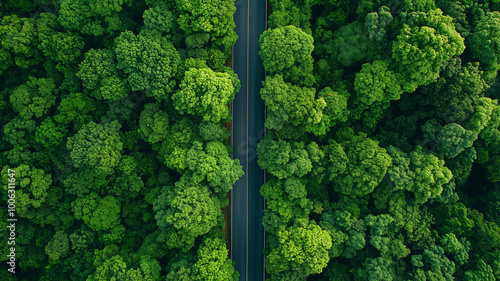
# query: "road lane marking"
248 167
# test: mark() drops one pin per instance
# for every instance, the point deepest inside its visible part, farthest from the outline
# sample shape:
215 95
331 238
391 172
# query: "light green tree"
205 93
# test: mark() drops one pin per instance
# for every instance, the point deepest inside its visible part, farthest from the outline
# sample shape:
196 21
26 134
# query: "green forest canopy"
383 144
382 152
112 119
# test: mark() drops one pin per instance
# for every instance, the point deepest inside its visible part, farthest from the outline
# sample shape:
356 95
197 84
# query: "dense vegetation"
112 116
383 148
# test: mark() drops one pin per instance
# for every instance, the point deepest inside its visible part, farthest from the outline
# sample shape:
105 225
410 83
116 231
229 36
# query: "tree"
99 74
483 113
422 174
211 164
484 237
57 44
366 166
82 181
376 269
350 44
182 268
31 187
376 85
81 239
458 248
205 93
77 108
485 40
34 98
151 63
213 17
214 132
97 146
58 247
375 82
383 229
287 200
377 24
50 134
93 17
283 159
461 166
115 268
19 7
430 175
450 139
213 263
291 13
483 272
453 218
493 208
336 105
287 51
185 213
161 19
19 132
110 269
153 123
434 264
291 105
329 161
173 150
421 49
488 146
19 41
302 248
460 87
97 213
63 48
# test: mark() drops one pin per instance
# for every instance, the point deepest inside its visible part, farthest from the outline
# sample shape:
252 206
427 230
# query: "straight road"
247 205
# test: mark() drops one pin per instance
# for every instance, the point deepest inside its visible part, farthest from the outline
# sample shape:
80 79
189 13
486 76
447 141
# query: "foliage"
283 159
212 263
31 186
19 43
291 105
205 93
287 50
382 148
404 153
34 98
96 146
184 214
211 163
150 62
99 73
92 17
366 166
153 123
422 48
213 17
302 248
485 39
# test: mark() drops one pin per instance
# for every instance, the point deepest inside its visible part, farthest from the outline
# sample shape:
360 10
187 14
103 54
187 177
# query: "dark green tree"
96 146
151 63
99 74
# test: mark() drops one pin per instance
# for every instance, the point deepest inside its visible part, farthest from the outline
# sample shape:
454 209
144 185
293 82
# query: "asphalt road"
247 205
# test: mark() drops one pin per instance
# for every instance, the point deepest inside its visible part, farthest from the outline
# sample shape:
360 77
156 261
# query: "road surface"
247 205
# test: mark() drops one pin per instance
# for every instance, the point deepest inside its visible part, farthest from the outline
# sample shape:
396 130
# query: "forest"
382 150
113 138
383 144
